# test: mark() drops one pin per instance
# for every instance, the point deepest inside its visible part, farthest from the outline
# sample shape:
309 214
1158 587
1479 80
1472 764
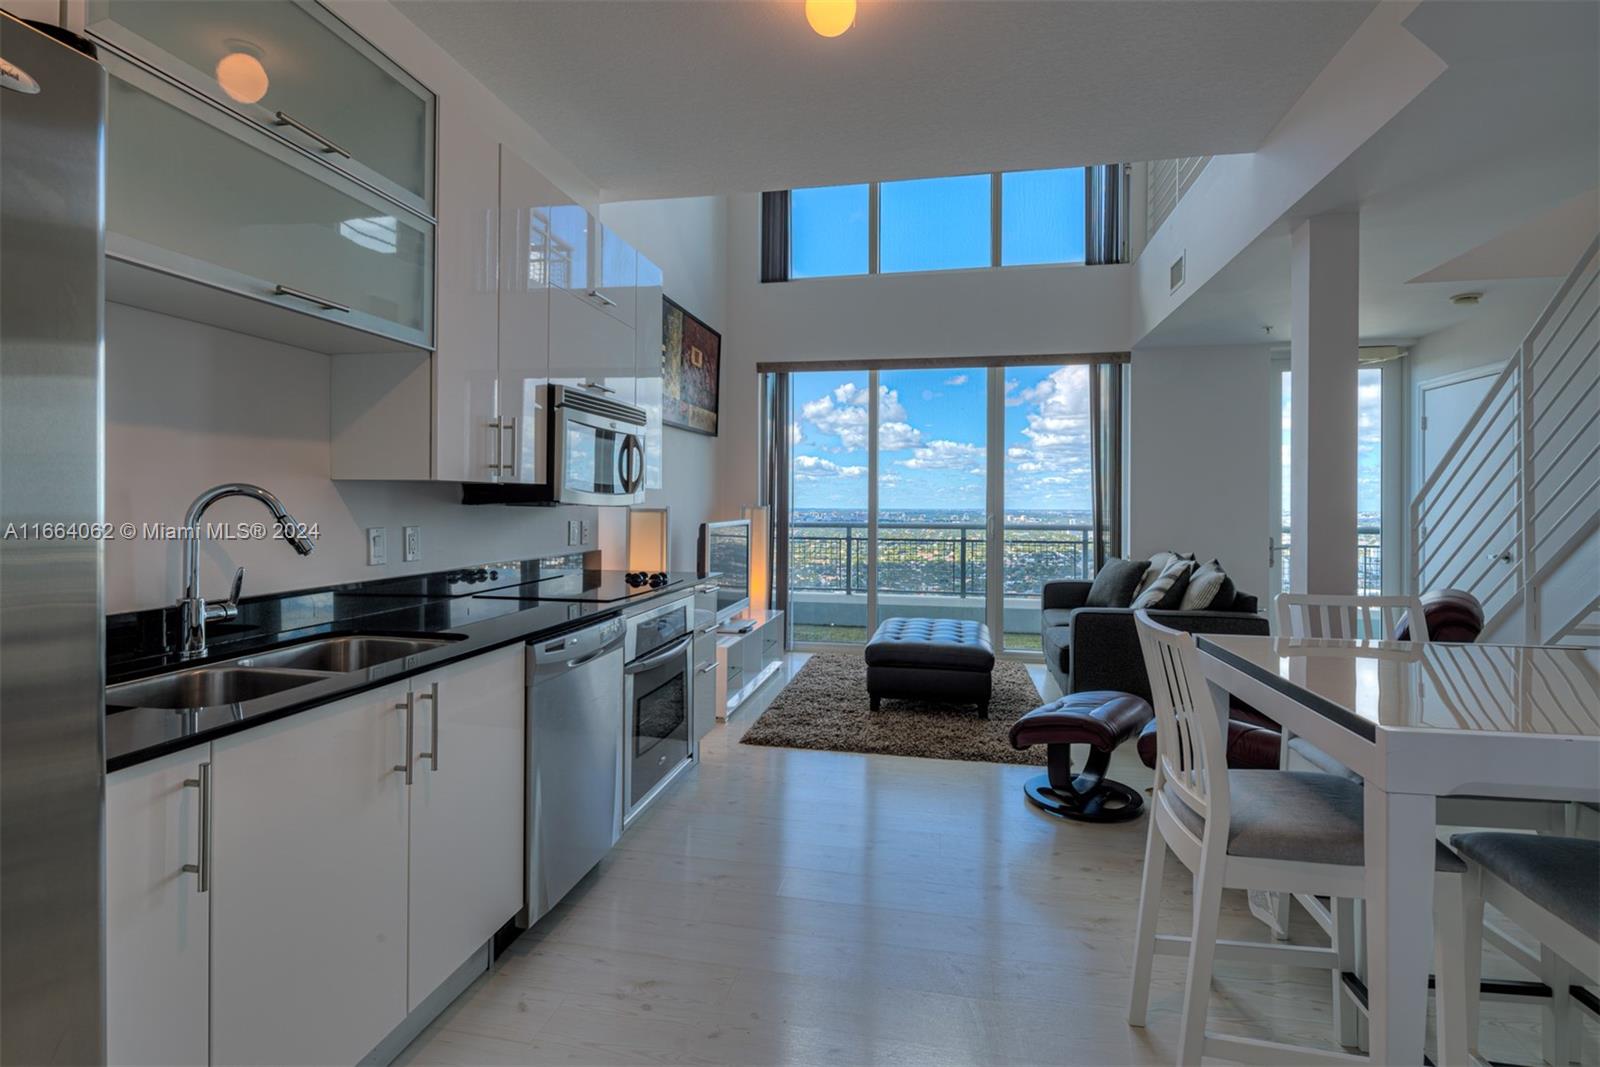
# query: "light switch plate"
377 546
412 545
585 531
574 532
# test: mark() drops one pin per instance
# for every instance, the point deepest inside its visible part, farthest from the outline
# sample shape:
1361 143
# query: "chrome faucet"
193 611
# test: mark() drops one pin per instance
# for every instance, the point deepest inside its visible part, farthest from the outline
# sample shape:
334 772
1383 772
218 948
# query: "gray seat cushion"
1302 816
1560 874
1057 639
1320 759
946 644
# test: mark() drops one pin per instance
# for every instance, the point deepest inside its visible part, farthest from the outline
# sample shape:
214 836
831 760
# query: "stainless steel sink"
341 654
205 687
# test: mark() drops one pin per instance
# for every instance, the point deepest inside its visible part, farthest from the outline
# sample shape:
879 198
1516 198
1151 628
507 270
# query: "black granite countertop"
135 735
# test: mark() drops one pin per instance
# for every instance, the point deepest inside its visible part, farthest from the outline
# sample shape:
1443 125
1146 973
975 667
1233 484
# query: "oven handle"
658 658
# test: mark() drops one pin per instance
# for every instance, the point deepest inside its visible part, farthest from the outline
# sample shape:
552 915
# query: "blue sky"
931 433
938 223
932 439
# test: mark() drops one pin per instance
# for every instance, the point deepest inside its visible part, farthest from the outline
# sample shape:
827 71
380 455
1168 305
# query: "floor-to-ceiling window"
943 491
1369 480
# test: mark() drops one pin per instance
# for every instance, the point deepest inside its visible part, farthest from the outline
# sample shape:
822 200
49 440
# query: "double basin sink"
265 673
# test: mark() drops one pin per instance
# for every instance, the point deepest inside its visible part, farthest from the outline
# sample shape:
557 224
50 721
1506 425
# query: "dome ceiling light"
830 18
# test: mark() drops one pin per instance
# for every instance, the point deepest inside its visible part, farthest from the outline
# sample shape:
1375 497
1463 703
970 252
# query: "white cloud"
944 455
816 468
843 414
959 379
898 436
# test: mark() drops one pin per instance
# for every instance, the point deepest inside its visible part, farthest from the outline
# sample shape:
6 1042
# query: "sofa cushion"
1166 592
1115 584
1159 561
1057 641
1209 589
948 644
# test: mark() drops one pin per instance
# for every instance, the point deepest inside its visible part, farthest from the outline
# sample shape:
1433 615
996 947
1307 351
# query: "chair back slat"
1191 752
1373 618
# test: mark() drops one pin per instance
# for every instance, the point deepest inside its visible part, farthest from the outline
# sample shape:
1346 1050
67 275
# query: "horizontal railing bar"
1551 406
1444 470
1466 538
1428 497
1577 302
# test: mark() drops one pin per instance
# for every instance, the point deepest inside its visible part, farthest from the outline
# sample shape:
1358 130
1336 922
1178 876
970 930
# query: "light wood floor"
783 906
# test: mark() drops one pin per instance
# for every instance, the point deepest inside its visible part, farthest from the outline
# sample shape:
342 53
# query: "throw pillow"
1166 592
1115 584
1209 589
1158 563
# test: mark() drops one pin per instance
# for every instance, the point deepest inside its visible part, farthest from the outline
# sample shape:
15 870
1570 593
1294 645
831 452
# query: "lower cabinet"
467 805
353 863
158 919
308 938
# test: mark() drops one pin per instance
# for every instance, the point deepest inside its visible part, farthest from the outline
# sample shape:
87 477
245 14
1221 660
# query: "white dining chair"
1285 831
1550 887
1369 618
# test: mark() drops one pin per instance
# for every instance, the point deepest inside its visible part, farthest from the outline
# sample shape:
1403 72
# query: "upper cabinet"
571 232
295 71
647 365
261 159
619 276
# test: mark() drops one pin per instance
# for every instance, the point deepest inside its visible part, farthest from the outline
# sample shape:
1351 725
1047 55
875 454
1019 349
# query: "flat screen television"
725 559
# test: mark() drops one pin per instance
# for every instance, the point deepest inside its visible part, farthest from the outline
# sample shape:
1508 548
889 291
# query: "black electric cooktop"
588 587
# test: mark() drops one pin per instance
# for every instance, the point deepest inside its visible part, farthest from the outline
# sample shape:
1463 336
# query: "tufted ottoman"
945 660
1102 721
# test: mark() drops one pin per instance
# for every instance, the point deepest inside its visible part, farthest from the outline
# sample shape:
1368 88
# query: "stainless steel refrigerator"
52 748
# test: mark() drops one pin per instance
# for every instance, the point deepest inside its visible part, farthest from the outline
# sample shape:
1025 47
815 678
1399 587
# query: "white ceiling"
1489 180
658 98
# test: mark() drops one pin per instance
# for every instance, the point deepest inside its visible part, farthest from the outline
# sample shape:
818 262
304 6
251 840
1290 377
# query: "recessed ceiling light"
830 18
1467 299
241 75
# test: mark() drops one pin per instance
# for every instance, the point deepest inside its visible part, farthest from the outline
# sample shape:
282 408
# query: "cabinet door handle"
410 708
311 298
590 383
496 428
202 869
595 294
709 667
282 118
432 697
509 424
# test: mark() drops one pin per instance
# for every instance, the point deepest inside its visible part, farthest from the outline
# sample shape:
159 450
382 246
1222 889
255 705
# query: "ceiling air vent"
1176 273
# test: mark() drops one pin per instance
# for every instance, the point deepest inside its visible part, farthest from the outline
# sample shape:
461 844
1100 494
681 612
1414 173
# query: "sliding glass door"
944 491
932 528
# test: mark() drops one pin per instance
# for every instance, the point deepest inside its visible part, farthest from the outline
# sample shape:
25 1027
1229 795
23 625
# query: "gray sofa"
1098 648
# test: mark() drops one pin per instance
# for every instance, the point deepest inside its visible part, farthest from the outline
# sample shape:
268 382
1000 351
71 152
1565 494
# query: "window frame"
782 202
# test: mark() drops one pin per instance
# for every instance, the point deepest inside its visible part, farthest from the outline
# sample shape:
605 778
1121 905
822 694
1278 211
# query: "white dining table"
1419 722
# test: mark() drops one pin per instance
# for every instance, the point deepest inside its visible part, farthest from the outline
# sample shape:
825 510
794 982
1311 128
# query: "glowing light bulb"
830 18
242 77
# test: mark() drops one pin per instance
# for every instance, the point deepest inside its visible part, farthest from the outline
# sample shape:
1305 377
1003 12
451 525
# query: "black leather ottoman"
1102 720
946 660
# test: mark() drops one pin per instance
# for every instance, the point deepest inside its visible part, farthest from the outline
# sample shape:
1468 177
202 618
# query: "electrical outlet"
413 544
377 546
574 532
585 531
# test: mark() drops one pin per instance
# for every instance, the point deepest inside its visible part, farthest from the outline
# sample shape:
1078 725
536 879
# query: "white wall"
687 239
1487 339
1203 431
1014 311
189 406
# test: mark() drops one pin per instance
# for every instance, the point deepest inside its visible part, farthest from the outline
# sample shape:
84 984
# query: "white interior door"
1445 409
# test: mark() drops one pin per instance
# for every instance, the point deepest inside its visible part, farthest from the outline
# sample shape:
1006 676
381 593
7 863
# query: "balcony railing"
951 559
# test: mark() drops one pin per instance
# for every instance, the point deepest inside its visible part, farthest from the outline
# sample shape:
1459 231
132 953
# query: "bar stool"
1549 886
1284 831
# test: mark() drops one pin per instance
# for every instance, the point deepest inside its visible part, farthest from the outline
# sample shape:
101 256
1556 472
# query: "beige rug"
825 707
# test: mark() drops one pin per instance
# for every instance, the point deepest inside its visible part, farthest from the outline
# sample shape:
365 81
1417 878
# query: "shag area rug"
825 707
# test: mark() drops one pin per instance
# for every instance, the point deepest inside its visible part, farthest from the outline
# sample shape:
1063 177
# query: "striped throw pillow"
1166 592
1209 589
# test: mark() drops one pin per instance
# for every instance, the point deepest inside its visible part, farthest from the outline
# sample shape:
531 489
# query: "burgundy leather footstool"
1102 720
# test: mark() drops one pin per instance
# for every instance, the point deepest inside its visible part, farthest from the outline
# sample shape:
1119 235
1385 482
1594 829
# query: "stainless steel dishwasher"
574 759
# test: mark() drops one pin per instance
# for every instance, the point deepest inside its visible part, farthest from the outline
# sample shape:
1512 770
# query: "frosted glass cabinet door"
191 192
293 69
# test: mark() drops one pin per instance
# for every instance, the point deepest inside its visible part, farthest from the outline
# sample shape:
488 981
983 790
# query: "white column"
1324 272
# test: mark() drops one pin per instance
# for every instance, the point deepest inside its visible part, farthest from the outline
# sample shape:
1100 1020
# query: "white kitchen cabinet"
528 200
157 913
309 892
615 289
571 246
647 365
467 807
590 348
293 70
193 193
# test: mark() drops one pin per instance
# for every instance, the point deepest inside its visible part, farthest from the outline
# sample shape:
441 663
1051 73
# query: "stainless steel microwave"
596 450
